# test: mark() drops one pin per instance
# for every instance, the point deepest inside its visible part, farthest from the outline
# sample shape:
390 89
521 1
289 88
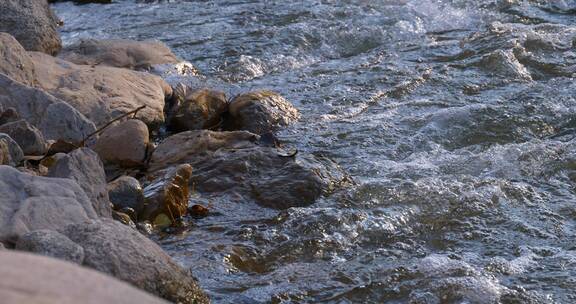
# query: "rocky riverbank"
97 151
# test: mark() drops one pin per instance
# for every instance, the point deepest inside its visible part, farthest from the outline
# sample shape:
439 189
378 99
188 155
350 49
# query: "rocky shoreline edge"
98 151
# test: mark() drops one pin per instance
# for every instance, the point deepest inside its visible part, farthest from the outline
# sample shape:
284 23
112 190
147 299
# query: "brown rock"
166 198
124 144
10 153
261 112
103 93
15 61
135 55
200 109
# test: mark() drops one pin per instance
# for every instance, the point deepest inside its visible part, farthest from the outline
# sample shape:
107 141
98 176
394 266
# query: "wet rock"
166 198
27 136
200 109
85 167
53 117
135 55
15 61
103 93
32 23
113 248
8 115
10 153
27 278
32 203
261 112
233 163
124 144
51 243
126 192
82 1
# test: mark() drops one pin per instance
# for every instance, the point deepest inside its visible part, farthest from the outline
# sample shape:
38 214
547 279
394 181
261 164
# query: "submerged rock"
51 243
123 252
261 112
103 93
120 53
53 117
200 109
32 23
124 144
233 162
85 167
126 192
27 136
10 152
30 203
27 278
166 198
14 60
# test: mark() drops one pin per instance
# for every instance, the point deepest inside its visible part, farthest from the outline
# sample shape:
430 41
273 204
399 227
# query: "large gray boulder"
32 23
28 278
27 136
85 167
32 203
102 93
261 112
10 152
51 243
120 53
113 248
234 162
53 117
14 61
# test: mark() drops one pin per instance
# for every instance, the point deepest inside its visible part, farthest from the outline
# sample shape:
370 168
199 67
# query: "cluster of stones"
78 192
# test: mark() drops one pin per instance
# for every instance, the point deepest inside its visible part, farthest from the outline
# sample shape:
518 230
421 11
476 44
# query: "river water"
456 119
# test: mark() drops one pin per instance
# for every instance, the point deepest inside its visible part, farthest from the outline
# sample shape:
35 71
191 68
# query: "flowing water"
456 119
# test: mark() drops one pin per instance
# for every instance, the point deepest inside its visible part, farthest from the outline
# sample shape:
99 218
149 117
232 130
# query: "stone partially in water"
85 167
120 53
51 243
261 112
118 250
27 136
10 153
32 23
200 109
126 192
233 163
31 203
124 144
166 198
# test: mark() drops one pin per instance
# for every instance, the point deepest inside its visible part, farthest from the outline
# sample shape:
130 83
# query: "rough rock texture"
27 278
126 192
32 23
166 198
14 61
31 203
232 162
119 250
51 243
85 167
136 55
8 115
102 93
124 144
27 136
10 153
261 112
53 117
200 109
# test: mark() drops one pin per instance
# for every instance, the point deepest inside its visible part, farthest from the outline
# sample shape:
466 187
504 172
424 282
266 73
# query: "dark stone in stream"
126 192
195 110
